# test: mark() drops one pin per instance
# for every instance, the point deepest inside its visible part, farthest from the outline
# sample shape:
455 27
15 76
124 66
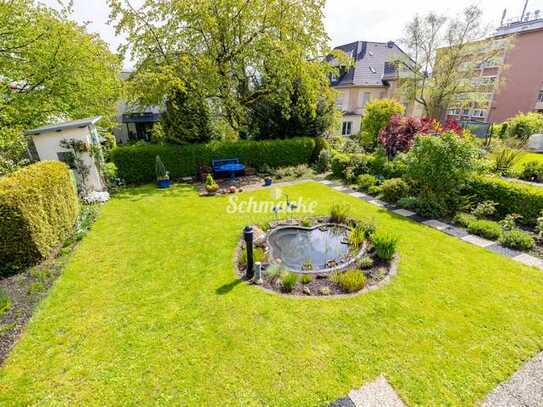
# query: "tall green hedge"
511 197
136 164
38 210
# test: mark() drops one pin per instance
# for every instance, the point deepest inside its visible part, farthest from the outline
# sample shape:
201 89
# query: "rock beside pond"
306 290
324 291
259 236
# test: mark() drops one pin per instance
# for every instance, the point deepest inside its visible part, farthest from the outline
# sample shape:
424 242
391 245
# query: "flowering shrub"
398 136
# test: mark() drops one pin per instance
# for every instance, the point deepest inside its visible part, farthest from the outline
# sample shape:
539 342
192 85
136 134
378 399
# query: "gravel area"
524 388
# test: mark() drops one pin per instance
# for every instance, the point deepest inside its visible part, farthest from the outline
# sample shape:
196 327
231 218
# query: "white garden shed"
77 143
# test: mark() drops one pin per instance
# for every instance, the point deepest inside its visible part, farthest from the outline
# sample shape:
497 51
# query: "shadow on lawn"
140 192
225 289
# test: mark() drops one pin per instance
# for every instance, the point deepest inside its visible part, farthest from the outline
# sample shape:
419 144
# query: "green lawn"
149 311
527 157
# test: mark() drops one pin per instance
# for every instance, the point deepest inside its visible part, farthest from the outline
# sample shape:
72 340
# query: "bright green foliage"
524 125
385 245
375 190
367 225
464 219
438 167
510 221
484 209
357 235
187 119
38 210
505 160
517 239
339 212
237 53
350 281
376 116
532 171
323 162
511 197
172 251
52 67
306 279
485 228
394 189
364 181
13 147
136 163
288 282
366 263
409 202
4 302
258 255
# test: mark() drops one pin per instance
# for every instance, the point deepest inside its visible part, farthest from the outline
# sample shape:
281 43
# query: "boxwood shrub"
136 164
511 197
38 210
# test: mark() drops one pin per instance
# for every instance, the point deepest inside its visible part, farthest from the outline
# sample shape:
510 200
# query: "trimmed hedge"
136 164
511 197
38 210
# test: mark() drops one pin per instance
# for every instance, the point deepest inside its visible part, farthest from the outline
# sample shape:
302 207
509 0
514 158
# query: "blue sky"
346 20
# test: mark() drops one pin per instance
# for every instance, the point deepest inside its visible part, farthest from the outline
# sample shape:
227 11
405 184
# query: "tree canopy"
236 52
448 54
50 69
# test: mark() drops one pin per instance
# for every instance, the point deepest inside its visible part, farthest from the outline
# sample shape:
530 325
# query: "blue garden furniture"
227 166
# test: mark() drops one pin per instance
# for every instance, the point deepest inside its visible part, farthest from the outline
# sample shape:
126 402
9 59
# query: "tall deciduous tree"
448 53
237 52
50 68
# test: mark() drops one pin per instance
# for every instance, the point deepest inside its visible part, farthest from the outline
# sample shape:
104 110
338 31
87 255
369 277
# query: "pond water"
296 246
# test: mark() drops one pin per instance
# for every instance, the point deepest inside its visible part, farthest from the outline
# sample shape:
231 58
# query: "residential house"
134 125
374 75
512 82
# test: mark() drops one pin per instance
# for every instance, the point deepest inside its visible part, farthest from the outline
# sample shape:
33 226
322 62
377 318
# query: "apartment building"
513 82
374 75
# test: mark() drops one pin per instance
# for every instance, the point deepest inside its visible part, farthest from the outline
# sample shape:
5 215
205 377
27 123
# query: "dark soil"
25 290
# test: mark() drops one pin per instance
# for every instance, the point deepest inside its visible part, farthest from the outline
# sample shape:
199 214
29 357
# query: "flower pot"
164 183
267 182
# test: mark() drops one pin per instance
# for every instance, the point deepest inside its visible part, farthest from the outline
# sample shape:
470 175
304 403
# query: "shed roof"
81 123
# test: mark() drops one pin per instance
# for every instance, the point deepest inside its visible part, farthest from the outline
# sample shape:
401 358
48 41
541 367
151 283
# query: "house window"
365 97
68 158
339 101
346 130
540 98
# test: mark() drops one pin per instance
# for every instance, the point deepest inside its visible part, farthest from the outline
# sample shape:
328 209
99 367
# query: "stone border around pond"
340 267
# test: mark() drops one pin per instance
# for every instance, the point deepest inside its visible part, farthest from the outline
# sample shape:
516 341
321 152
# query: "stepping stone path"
524 388
378 393
443 227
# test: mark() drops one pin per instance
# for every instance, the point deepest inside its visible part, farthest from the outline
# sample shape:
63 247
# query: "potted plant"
211 186
162 176
267 181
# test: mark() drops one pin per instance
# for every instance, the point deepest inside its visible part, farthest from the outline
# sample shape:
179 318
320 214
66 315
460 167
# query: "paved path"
523 389
443 227
378 393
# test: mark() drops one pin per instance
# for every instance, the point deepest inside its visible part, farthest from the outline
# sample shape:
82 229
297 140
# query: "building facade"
374 75
513 82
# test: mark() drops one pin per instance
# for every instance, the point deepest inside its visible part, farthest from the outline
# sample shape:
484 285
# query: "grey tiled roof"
66 125
371 61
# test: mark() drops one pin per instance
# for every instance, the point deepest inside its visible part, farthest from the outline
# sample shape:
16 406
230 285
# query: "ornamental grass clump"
350 281
485 228
339 213
385 245
288 282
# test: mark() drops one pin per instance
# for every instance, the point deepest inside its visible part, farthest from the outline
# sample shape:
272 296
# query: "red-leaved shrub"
399 134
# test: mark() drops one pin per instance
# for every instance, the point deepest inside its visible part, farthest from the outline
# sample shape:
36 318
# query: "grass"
149 311
527 157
